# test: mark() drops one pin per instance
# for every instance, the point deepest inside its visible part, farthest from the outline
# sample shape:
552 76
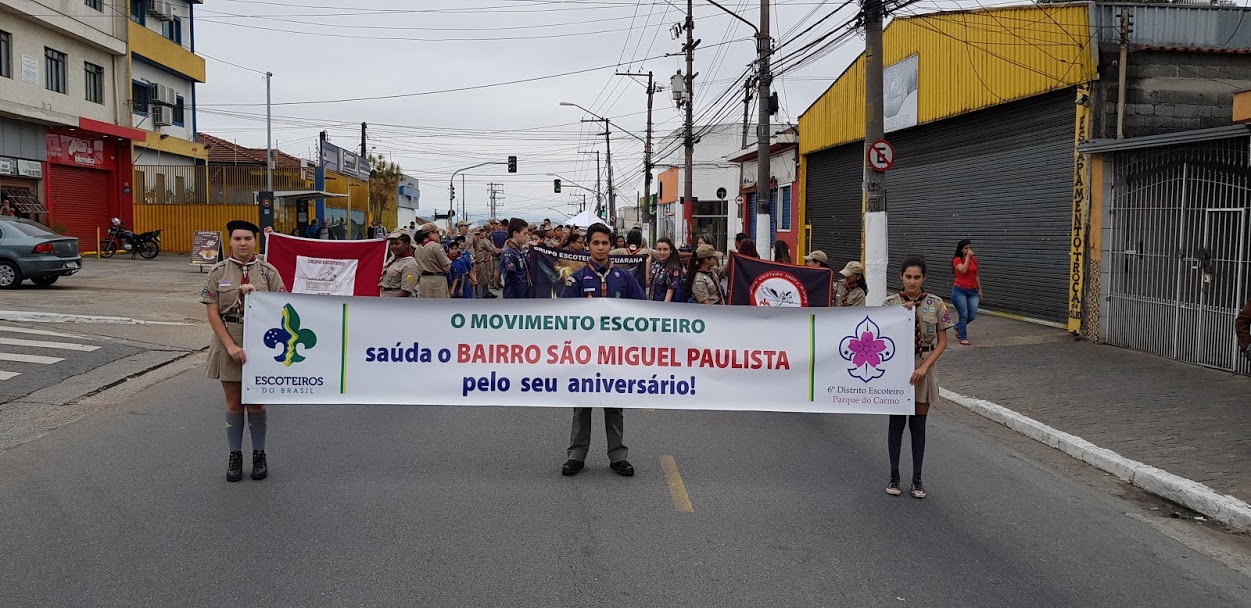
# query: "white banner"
305 349
324 276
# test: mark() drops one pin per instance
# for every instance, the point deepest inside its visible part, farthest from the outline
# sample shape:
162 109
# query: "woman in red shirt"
967 292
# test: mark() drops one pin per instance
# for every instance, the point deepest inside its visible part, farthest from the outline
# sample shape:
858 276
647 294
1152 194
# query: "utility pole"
1122 68
688 186
764 234
747 85
875 227
269 135
612 192
363 161
647 158
599 198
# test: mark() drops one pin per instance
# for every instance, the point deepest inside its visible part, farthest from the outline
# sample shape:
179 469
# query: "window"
96 4
179 113
6 55
54 66
95 82
138 11
784 214
172 30
139 96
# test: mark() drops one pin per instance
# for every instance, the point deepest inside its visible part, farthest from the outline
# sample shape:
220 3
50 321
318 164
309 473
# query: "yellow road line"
681 500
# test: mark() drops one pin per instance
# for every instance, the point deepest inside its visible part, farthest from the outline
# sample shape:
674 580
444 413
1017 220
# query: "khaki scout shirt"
931 318
431 259
400 278
222 285
705 289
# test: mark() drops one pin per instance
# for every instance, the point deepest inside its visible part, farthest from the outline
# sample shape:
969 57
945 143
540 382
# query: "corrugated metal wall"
179 222
969 60
1002 177
1223 27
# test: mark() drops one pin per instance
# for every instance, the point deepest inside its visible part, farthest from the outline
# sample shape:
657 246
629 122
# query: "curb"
1191 494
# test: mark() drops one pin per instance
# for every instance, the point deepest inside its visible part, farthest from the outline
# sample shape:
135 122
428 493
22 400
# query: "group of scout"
415 271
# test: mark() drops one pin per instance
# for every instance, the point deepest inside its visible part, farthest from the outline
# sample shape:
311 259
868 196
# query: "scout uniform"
593 281
855 295
931 318
222 288
483 256
399 278
432 266
514 272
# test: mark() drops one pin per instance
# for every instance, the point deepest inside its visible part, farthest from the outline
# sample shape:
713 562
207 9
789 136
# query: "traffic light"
453 190
512 165
556 185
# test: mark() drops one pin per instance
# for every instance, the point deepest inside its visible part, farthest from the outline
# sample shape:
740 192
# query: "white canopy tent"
584 219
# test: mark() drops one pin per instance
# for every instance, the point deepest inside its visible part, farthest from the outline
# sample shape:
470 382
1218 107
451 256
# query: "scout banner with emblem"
550 268
335 268
756 282
599 352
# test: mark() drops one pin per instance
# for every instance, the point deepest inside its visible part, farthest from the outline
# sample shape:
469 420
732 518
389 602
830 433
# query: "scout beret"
241 225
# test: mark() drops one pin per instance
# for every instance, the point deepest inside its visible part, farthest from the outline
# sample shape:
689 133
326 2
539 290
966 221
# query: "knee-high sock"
894 441
256 424
234 431
916 428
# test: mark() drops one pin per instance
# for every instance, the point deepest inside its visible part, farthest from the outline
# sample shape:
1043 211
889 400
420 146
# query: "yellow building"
164 71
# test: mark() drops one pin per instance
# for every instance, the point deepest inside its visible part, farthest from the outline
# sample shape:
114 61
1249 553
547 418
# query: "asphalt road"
389 506
54 355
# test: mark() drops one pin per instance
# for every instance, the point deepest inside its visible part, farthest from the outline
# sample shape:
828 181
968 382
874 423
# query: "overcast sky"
395 64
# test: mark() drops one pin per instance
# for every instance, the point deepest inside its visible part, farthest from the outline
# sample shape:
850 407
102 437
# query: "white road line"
6 375
41 332
41 344
29 358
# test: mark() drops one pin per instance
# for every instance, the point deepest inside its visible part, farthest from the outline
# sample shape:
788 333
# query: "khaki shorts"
433 287
927 388
220 365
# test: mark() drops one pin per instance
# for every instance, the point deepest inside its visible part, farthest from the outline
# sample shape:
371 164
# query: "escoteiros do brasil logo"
289 337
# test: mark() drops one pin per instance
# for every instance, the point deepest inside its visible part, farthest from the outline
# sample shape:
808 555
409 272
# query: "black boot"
259 468
234 470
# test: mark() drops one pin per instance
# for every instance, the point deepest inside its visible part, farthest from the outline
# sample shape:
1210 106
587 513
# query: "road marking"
29 358
6 375
23 316
40 344
677 489
41 332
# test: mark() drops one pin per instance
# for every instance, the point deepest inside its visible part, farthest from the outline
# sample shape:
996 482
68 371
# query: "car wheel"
10 276
44 281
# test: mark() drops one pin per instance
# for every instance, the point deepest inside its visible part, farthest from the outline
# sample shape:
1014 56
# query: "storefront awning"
105 128
306 194
23 201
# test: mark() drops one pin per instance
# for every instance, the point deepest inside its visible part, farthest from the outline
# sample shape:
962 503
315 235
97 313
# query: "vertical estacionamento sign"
305 349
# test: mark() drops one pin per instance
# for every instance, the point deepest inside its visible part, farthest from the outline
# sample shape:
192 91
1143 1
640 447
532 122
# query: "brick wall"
1170 91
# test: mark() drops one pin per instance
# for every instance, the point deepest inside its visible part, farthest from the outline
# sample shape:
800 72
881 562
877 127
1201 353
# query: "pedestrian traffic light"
512 164
556 185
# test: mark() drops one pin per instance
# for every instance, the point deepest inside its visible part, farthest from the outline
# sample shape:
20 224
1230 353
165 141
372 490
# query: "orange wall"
668 186
1242 106
179 223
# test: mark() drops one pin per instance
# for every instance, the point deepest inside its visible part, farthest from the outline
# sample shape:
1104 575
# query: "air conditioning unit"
161 9
165 95
162 116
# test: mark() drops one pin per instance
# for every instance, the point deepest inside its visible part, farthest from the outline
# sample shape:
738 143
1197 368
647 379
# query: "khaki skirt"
927 388
220 365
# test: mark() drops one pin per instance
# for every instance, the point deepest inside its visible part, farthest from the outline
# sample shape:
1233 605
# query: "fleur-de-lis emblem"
290 337
867 350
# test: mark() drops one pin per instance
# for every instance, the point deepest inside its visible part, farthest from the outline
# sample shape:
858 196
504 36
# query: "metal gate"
1177 251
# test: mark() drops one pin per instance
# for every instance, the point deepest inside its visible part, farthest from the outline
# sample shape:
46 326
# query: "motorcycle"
146 244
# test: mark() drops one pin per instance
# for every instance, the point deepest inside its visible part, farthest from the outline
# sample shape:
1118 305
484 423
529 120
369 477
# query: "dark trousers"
580 435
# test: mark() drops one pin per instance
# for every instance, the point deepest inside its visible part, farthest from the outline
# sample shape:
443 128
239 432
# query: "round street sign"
881 155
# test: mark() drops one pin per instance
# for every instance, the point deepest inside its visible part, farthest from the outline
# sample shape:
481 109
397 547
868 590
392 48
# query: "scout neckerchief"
243 267
603 278
916 342
521 260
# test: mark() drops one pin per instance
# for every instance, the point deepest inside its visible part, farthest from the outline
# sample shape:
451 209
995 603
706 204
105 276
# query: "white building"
164 71
715 185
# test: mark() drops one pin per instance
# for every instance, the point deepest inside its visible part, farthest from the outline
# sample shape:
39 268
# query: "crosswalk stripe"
6 375
30 358
41 332
41 344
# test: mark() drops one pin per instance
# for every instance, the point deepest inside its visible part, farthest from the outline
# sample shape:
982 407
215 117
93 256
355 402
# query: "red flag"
350 268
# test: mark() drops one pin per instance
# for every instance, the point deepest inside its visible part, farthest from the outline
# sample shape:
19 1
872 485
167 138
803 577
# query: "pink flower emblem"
867 350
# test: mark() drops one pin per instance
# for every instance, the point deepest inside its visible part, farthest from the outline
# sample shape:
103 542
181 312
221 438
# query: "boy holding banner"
600 279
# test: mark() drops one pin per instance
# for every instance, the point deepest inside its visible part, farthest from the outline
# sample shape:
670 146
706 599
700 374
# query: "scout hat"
705 251
852 268
398 233
817 256
425 228
241 225
462 223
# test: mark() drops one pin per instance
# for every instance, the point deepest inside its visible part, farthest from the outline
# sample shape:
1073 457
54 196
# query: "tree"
384 183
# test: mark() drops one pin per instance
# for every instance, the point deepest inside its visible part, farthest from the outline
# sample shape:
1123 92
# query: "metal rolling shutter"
833 202
79 202
1001 176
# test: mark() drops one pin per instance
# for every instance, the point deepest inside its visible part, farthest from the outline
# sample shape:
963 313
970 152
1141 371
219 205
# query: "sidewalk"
1188 420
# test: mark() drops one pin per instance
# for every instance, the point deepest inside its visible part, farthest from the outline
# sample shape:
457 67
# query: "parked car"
29 250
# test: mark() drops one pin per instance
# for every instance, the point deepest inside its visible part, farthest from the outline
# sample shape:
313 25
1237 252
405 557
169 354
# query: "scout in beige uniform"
851 290
432 264
399 278
224 291
932 323
700 281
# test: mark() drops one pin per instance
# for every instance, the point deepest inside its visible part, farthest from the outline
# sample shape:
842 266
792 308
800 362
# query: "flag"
550 267
339 268
756 282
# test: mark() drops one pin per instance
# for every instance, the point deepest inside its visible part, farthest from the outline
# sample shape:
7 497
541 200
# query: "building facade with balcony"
164 72
65 136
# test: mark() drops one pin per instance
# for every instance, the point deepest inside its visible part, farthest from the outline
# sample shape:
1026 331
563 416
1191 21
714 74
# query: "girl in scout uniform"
665 280
932 323
227 286
853 288
700 281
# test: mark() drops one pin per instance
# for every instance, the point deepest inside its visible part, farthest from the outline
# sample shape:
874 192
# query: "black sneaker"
571 467
892 488
260 470
918 490
623 468
234 470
